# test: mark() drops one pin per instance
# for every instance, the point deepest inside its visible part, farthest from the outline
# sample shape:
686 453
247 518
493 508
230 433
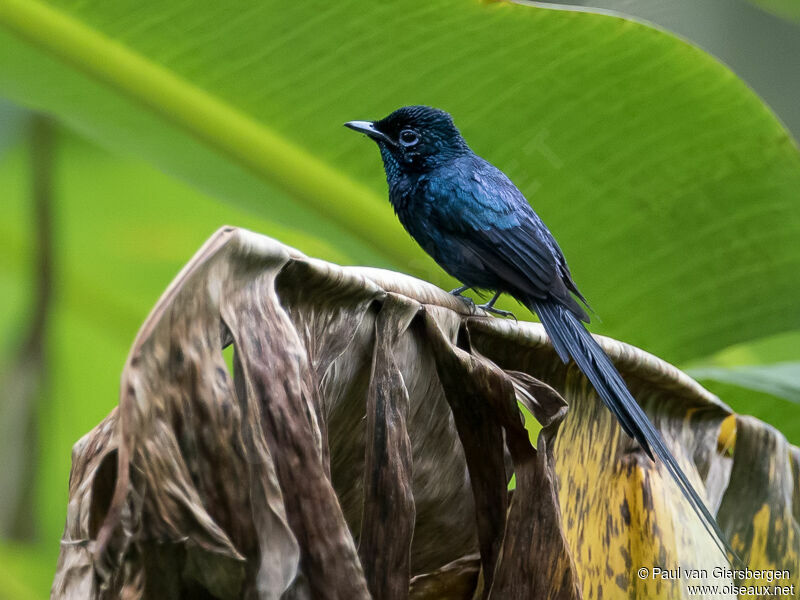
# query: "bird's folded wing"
518 257
491 219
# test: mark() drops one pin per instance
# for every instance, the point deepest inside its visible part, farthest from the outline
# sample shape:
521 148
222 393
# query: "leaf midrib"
215 123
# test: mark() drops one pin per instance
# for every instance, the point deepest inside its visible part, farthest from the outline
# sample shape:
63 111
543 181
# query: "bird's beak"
368 129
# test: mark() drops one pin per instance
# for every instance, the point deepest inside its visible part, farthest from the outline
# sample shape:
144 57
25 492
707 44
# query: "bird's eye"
408 137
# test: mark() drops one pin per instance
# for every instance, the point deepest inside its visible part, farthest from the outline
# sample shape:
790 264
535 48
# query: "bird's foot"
496 311
466 299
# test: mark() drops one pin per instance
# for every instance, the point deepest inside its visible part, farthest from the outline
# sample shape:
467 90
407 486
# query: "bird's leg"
457 293
489 307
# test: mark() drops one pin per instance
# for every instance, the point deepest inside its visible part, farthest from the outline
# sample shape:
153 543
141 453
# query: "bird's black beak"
368 128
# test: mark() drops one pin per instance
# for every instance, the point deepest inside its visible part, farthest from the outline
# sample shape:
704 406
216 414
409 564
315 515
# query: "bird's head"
414 138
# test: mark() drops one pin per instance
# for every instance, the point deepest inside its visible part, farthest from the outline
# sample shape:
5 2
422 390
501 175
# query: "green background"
671 186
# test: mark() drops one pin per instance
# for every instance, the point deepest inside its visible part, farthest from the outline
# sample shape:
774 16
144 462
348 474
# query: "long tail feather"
572 340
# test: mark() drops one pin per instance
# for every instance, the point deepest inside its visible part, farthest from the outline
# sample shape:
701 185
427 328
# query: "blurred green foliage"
788 9
124 230
670 185
672 188
760 378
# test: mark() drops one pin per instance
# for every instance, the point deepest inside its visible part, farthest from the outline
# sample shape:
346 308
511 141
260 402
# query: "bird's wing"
491 219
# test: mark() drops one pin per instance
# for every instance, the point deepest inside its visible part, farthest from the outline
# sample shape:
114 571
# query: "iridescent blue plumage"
479 228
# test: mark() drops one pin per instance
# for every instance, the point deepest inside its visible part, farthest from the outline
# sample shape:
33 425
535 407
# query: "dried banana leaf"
363 445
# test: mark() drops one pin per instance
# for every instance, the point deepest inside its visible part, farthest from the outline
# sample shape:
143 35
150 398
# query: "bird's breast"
414 212
420 216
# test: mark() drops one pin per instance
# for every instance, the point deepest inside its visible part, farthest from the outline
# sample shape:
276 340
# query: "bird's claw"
496 311
467 300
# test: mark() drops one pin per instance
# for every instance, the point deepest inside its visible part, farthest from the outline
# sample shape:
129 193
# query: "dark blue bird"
479 228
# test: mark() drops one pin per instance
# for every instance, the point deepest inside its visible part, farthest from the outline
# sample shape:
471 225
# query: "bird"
479 227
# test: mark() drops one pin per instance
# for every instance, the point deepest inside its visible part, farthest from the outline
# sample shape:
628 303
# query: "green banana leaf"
759 378
781 379
669 184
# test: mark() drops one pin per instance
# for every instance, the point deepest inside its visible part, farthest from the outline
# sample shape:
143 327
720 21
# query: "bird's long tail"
571 339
